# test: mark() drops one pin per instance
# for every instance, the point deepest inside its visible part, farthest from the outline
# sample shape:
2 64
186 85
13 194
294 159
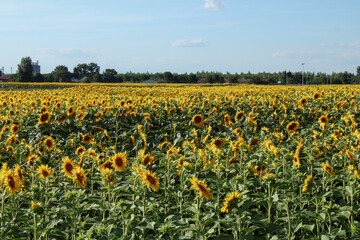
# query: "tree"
38 78
86 70
109 75
61 74
25 70
169 77
233 79
358 74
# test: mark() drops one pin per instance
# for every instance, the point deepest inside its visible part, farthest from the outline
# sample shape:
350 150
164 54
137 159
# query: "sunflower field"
180 162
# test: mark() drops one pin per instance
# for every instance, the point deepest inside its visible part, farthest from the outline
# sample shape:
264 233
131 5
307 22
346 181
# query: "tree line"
90 72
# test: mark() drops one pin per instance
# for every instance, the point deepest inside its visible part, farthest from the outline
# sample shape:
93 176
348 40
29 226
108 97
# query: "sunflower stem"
2 208
143 202
35 226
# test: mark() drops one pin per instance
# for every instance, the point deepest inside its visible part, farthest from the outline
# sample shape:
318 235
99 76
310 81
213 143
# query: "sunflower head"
80 150
44 118
49 143
79 177
68 167
201 187
14 129
86 138
147 160
292 126
148 178
316 96
62 118
119 161
218 142
11 181
45 171
198 120
303 101
239 115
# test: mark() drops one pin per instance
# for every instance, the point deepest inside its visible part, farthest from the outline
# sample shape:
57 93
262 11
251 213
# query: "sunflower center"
150 179
323 119
119 161
79 177
49 143
11 182
197 119
202 188
292 126
45 173
44 117
69 167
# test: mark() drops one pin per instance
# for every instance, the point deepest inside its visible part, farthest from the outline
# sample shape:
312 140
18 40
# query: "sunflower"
41 150
198 120
303 101
119 161
148 178
11 181
201 187
31 160
327 168
148 159
68 167
316 96
239 115
62 118
14 129
44 118
292 126
49 143
19 173
35 205
230 202
323 120
218 142
255 141
86 138
81 116
80 150
71 110
305 187
79 176
45 171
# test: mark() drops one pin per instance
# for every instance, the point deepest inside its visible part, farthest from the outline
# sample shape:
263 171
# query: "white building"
36 67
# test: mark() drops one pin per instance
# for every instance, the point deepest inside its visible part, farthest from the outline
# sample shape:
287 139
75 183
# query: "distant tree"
233 79
97 77
86 80
109 75
168 77
358 74
61 74
86 70
38 78
25 70
192 78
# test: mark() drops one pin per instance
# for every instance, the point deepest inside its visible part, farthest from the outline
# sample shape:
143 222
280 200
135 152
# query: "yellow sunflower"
239 115
79 176
68 167
35 205
198 120
71 110
148 159
292 126
19 174
201 187
44 118
14 129
303 101
230 202
80 150
323 120
218 142
148 178
86 138
62 118
45 171
316 96
119 161
327 168
49 143
11 182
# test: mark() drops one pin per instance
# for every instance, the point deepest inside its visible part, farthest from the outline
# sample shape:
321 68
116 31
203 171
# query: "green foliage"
25 70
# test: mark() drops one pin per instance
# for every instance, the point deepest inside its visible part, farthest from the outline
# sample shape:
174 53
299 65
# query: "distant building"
5 78
36 67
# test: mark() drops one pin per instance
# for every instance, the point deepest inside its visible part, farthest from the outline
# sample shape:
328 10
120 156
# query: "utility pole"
302 77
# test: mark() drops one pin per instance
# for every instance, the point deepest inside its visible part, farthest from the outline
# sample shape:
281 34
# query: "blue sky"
183 35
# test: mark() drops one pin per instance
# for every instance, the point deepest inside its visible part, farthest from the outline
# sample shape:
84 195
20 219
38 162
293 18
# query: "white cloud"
189 43
214 4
